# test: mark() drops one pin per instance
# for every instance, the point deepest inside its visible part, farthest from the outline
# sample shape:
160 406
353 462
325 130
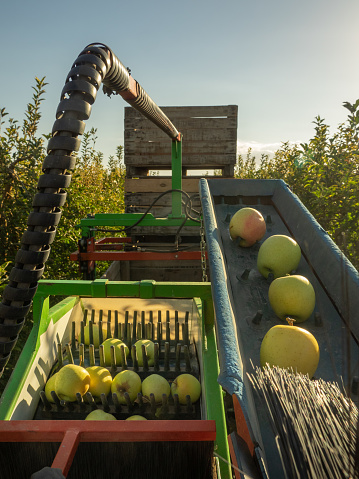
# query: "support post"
177 177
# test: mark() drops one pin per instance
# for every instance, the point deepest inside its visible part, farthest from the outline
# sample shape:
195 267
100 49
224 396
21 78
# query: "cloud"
257 148
260 148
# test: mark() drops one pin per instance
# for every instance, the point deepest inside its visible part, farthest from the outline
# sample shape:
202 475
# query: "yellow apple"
126 381
292 296
96 333
50 386
156 385
247 224
150 351
70 380
100 415
117 343
290 347
136 417
186 385
100 381
278 255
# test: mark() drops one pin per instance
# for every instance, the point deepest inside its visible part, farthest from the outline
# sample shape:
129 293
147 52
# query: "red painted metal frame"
103 250
134 256
71 432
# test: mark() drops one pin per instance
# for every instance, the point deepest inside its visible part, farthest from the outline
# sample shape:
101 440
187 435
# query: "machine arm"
94 66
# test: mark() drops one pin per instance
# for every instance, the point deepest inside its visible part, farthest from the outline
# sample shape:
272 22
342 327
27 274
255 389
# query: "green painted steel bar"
140 289
212 390
88 225
42 315
176 180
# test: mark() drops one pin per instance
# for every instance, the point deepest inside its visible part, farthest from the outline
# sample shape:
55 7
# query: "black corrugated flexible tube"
94 66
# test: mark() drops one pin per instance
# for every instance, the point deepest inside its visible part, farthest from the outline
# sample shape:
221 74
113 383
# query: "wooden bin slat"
209 143
211 111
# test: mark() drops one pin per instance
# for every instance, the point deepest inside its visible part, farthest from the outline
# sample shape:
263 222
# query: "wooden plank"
190 111
182 124
190 135
194 162
146 199
209 139
158 148
158 185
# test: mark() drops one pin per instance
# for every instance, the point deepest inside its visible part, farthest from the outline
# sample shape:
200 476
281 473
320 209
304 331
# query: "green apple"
70 380
186 385
100 381
290 347
292 296
117 343
150 351
136 417
278 255
126 381
156 385
96 333
50 386
100 415
247 224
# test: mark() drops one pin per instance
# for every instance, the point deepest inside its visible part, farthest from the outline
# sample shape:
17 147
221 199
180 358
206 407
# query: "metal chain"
203 253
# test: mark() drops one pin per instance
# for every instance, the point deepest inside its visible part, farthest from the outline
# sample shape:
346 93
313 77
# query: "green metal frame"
88 225
101 288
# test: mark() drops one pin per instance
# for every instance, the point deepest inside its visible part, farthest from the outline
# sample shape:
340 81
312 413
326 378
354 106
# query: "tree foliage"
95 188
324 173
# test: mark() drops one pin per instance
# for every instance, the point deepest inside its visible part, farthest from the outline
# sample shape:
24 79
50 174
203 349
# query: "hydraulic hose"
94 66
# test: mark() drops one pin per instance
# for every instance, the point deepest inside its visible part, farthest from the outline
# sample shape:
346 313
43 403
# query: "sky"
283 62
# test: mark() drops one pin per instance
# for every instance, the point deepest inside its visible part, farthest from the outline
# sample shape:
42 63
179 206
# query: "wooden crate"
209 140
209 143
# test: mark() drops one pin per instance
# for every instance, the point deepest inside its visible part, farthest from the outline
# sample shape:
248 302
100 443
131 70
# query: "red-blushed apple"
126 381
70 380
290 347
150 351
156 385
186 385
292 296
247 224
100 415
278 255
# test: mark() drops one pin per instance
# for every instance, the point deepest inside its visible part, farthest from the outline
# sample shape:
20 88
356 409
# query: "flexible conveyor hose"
95 65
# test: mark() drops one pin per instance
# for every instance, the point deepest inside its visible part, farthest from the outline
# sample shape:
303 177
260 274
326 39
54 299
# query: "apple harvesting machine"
196 294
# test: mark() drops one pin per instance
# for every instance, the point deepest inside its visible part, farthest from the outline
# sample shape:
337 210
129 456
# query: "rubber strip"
67 143
77 127
17 294
32 257
80 107
60 162
26 275
81 86
6 347
54 181
51 200
86 71
44 219
38 237
13 312
11 330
